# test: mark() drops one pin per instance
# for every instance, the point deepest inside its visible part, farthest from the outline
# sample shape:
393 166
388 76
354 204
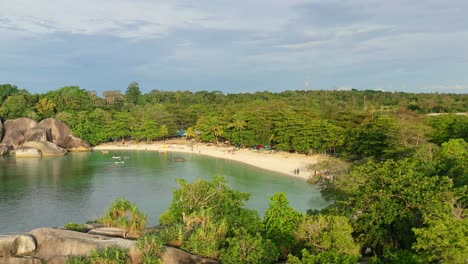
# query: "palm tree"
164 131
238 124
216 128
190 133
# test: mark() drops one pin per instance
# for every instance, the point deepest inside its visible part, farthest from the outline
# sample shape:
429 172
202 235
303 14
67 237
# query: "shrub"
174 235
213 196
78 260
152 247
205 239
245 248
110 255
124 214
322 258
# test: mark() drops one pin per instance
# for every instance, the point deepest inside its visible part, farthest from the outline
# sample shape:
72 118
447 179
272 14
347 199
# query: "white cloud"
335 37
450 88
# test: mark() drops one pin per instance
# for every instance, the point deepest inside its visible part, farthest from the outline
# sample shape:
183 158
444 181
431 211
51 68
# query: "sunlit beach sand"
278 161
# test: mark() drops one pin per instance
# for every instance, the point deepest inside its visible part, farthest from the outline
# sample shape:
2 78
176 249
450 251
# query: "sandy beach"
277 161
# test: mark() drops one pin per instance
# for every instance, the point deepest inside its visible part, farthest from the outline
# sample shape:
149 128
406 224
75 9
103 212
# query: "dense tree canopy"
397 183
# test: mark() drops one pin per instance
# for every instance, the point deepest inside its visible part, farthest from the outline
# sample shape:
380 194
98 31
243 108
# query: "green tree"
93 126
7 90
280 223
444 240
213 197
212 128
246 248
369 138
71 99
15 106
446 127
386 200
238 124
133 94
452 161
45 108
323 233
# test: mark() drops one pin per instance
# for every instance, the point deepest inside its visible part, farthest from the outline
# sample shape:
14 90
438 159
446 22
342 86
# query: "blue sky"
235 46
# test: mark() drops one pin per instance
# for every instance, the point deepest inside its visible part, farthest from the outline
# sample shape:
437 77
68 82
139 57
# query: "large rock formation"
76 144
175 256
59 243
6 243
23 245
59 131
22 130
56 246
35 134
27 152
47 148
15 129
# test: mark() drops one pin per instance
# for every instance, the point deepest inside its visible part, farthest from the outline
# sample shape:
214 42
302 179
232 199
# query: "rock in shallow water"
15 129
36 134
27 152
4 150
59 131
46 148
75 144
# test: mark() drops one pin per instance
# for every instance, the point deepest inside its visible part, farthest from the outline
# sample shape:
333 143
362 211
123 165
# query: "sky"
235 46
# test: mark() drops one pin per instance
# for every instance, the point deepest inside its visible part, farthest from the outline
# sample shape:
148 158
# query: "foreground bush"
152 247
245 248
280 224
111 255
326 257
124 214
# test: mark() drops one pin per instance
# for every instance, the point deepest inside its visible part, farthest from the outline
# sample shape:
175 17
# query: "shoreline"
277 161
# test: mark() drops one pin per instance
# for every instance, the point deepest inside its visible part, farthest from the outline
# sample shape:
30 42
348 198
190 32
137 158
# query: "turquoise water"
53 191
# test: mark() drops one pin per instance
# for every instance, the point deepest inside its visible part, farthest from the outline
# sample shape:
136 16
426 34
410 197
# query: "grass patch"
77 227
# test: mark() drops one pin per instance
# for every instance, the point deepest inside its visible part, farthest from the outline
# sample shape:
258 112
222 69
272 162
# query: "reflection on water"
78 187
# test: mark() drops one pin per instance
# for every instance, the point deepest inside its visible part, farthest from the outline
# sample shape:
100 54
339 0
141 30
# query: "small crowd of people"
296 171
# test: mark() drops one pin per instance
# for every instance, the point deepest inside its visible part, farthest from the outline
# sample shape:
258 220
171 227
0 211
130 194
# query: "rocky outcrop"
6 242
59 131
56 246
75 144
23 245
21 130
15 129
35 134
4 150
13 140
27 152
53 243
47 148
109 231
175 256
19 260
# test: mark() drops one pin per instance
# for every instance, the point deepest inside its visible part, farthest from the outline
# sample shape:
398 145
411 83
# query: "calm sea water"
53 191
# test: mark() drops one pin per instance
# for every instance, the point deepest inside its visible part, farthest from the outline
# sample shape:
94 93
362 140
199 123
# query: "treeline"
353 124
403 198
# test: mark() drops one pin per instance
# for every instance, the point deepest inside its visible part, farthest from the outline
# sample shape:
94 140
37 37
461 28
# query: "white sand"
281 162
